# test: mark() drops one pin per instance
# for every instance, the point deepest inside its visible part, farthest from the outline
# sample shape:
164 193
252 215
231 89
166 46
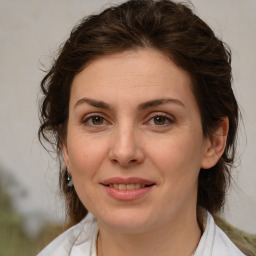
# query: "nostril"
114 161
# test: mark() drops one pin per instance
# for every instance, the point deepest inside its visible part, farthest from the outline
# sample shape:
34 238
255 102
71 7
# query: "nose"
126 149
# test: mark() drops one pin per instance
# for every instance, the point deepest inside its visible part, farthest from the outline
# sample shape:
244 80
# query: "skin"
124 137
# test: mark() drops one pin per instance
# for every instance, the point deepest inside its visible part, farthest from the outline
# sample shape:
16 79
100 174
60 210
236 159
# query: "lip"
127 195
130 180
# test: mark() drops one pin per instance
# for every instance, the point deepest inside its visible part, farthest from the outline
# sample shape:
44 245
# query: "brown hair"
173 29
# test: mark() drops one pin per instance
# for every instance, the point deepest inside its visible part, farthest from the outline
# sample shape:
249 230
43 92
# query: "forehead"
137 73
148 63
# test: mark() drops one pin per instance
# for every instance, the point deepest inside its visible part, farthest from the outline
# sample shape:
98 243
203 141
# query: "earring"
69 179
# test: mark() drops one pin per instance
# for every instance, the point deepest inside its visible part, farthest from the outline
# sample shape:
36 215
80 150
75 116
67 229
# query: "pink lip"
126 195
130 180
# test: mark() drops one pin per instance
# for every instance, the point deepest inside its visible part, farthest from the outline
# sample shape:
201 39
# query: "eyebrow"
142 106
158 102
94 103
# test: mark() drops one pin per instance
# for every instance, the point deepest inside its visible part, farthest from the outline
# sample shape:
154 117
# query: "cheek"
86 155
178 147
86 158
178 157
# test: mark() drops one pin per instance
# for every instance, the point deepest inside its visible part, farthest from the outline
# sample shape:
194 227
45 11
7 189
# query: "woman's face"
135 143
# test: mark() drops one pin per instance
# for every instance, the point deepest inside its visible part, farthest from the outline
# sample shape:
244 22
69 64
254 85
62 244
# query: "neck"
180 239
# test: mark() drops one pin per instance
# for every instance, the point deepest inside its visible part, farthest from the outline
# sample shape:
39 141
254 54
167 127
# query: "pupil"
97 120
159 120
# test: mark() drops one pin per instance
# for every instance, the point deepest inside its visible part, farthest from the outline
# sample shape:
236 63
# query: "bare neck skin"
180 239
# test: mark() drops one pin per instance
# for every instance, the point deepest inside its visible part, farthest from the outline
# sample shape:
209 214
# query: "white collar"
80 240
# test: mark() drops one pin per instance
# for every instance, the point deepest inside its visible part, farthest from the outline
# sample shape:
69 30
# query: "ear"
65 155
215 145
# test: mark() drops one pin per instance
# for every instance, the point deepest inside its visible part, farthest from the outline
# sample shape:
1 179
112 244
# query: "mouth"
131 183
131 186
127 189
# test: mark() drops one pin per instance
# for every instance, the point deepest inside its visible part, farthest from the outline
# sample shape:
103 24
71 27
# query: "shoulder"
214 242
225 244
75 241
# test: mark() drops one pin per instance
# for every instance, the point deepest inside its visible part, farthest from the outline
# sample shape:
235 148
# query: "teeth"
130 186
127 187
138 186
122 187
116 186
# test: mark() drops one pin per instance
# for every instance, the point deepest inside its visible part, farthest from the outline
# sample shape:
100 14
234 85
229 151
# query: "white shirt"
80 240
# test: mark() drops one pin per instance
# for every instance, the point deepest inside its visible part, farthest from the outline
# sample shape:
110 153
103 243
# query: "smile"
127 186
126 189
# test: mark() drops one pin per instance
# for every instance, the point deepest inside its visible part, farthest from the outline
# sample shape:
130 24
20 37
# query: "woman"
140 106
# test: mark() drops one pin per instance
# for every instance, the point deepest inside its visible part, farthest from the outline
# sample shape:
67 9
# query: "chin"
127 221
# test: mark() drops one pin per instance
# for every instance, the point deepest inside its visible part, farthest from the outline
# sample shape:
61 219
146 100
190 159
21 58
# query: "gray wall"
30 32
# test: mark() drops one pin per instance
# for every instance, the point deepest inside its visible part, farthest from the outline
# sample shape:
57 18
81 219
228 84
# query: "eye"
160 120
95 120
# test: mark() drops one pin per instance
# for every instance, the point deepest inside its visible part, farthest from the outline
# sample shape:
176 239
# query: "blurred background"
31 211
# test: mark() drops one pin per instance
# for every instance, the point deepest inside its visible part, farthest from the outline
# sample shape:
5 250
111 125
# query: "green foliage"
13 239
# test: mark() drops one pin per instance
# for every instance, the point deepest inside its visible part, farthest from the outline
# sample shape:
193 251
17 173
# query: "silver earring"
69 179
